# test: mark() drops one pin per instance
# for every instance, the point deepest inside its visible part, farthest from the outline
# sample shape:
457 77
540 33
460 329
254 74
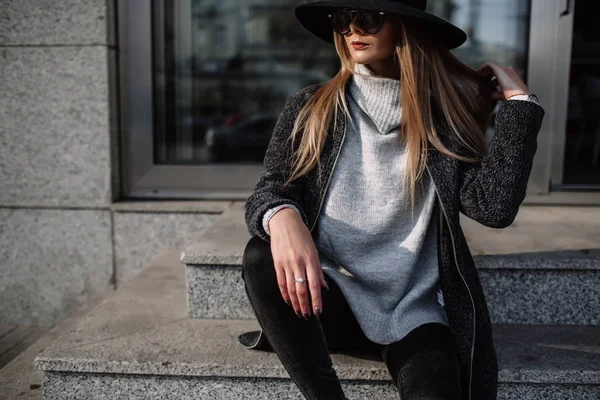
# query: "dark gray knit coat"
489 192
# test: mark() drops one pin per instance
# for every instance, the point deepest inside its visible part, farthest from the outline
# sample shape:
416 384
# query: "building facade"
115 114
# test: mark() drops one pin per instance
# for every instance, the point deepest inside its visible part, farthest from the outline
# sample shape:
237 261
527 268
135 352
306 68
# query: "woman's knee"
257 262
425 363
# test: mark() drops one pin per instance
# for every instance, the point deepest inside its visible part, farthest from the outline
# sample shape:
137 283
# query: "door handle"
567 10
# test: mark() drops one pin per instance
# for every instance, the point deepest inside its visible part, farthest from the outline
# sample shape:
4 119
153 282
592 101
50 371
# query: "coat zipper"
329 178
462 277
319 212
451 237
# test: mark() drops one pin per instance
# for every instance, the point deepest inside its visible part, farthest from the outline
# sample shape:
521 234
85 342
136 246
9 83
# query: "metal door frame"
550 42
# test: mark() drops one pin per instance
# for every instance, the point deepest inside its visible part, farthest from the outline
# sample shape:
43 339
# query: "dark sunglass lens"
341 21
371 21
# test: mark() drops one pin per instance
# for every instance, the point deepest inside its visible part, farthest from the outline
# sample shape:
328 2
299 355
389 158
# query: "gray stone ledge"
144 329
210 348
584 259
152 387
549 296
224 244
20 379
155 206
530 354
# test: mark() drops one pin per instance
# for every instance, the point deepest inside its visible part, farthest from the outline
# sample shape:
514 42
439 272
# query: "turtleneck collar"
377 96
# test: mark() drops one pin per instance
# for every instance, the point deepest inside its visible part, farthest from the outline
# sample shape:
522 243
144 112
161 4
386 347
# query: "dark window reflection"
222 73
223 69
582 149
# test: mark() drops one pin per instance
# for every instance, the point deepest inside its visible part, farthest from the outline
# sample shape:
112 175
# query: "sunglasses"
369 21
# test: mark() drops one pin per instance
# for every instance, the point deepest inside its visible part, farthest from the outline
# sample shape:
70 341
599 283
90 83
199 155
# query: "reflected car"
200 125
246 140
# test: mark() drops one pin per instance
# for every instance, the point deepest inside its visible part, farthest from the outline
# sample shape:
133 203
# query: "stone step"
551 287
14 339
20 379
139 344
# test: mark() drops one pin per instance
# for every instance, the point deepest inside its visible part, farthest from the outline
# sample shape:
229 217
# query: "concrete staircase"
171 333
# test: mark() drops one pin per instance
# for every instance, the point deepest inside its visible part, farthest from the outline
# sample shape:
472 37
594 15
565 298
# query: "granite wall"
55 157
62 237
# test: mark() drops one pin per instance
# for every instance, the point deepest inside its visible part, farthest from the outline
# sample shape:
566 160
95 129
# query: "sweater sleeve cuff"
270 212
523 97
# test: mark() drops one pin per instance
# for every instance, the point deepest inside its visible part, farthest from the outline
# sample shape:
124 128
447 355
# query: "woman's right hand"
295 256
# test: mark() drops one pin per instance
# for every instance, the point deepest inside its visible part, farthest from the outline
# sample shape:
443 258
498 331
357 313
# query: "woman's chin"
361 58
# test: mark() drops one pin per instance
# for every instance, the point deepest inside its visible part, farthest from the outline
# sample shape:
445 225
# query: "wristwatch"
530 97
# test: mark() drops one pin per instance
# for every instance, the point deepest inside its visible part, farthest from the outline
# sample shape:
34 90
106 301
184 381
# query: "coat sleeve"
270 190
492 191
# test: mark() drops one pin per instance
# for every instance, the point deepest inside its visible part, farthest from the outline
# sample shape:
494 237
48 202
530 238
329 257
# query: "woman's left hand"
507 78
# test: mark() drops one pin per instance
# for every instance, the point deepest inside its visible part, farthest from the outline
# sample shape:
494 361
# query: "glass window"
497 31
204 81
221 66
222 72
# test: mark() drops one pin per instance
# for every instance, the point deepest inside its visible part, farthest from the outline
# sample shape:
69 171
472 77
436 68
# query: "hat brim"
314 17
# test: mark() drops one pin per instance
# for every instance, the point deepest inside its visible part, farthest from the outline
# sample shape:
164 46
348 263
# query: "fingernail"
306 315
326 285
318 313
289 303
298 314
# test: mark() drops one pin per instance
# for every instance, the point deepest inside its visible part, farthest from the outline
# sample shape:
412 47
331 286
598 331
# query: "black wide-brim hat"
314 17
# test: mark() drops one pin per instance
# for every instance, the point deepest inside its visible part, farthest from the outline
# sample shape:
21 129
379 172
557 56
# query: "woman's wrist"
281 216
272 212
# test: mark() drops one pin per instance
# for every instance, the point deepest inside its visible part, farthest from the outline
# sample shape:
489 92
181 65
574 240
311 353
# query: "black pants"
423 364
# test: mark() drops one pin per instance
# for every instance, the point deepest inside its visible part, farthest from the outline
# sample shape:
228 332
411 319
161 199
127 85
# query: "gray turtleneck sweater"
384 262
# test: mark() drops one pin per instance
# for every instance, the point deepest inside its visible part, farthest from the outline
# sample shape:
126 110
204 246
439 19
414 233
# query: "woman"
401 124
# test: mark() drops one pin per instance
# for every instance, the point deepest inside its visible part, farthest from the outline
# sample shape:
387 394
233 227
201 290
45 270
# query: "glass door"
564 71
581 153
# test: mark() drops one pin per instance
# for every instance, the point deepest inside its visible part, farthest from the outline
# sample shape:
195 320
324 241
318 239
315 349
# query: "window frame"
141 177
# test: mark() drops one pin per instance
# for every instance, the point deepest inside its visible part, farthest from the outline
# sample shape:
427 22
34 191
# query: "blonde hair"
463 94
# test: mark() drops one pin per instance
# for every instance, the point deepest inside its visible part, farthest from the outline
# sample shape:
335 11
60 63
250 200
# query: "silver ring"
300 280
